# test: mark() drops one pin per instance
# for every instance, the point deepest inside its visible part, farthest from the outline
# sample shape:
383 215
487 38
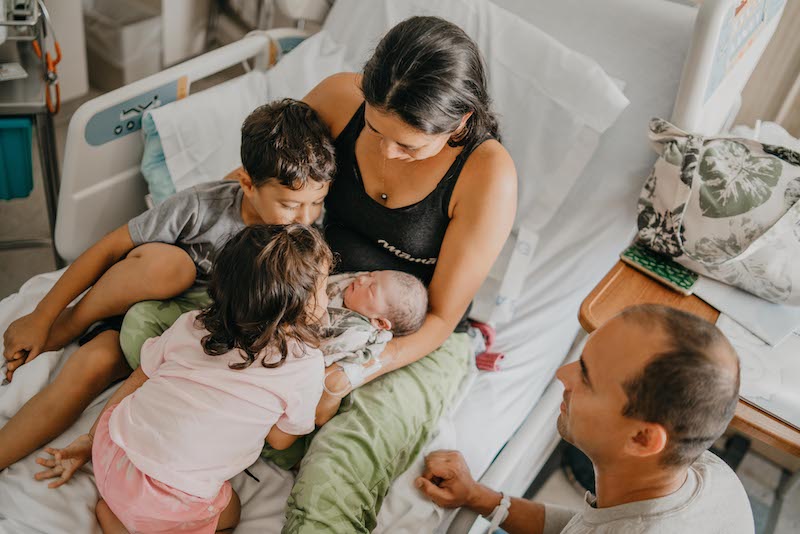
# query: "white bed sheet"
584 238
576 249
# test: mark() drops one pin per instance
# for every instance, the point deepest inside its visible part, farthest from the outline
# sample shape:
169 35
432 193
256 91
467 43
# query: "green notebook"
660 267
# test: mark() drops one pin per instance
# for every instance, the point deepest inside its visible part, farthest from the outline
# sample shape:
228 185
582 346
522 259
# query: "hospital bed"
574 83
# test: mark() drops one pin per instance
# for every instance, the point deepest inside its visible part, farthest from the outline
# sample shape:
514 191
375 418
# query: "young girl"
211 389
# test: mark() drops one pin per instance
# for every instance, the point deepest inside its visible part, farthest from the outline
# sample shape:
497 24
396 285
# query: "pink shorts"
143 504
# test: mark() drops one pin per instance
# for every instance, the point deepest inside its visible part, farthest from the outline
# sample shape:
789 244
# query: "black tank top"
366 235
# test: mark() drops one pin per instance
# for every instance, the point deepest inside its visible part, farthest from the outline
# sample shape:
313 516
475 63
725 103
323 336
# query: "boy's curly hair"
286 140
263 285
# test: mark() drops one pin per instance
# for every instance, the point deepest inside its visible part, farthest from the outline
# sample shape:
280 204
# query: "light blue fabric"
154 163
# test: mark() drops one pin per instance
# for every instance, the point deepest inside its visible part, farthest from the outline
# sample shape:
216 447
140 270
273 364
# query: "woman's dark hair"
261 285
287 141
428 72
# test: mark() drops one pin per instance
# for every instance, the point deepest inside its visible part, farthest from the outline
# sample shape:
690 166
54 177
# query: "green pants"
151 318
381 429
348 466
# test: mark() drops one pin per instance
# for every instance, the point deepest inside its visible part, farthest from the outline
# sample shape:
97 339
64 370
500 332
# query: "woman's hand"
337 382
65 461
24 340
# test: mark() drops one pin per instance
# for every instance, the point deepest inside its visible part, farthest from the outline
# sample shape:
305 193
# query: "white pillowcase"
201 134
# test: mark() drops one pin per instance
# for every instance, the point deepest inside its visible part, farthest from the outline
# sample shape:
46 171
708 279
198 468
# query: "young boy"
287 165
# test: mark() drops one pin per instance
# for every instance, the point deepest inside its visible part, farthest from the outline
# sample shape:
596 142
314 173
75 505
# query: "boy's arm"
26 337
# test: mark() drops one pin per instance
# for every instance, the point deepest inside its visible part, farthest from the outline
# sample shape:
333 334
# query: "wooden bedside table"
624 286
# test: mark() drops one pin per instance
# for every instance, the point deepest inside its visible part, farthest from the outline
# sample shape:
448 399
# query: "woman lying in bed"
423 186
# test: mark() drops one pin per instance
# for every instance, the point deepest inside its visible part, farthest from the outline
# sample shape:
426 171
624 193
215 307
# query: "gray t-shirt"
199 220
712 500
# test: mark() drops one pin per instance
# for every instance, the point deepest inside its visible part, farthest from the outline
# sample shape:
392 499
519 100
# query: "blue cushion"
154 163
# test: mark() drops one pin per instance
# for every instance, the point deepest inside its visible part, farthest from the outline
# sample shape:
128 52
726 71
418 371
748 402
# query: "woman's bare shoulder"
336 99
489 170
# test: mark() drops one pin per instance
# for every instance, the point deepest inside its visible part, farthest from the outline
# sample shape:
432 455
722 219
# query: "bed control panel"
126 117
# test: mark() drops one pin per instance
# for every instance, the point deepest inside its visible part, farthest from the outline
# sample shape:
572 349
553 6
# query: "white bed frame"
102 188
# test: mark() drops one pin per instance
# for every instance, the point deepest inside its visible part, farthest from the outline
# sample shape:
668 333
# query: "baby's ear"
381 323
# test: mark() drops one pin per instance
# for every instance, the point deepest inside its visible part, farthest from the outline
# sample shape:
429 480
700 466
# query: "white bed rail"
518 464
101 184
729 38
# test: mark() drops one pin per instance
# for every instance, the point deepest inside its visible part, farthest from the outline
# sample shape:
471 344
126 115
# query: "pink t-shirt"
196 422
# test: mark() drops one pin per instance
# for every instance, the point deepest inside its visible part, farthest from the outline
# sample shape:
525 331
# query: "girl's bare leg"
229 517
108 521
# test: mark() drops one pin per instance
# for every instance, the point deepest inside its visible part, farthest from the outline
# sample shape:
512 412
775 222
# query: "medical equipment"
504 422
53 95
29 97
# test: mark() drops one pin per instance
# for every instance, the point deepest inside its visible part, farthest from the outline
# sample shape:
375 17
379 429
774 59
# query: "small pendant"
384 196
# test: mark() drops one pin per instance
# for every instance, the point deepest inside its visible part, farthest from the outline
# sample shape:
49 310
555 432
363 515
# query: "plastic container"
16 163
123 42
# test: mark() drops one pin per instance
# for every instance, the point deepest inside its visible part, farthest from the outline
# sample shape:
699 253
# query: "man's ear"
381 322
647 439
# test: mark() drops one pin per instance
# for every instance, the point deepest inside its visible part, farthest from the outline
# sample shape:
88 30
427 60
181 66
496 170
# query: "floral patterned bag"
726 208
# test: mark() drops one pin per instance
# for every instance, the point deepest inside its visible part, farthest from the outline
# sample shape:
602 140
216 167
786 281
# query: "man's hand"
447 480
65 461
24 340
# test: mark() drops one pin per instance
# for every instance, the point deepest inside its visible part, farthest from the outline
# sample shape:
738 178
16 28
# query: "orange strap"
53 95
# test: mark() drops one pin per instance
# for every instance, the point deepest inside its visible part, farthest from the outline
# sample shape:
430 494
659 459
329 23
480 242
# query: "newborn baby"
365 311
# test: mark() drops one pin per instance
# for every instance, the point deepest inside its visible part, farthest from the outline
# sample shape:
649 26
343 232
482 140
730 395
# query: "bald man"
652 390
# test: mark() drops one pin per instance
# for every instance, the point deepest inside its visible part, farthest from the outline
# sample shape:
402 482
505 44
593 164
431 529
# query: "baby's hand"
65 461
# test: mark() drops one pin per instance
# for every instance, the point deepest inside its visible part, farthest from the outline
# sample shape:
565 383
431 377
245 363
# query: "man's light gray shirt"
712 500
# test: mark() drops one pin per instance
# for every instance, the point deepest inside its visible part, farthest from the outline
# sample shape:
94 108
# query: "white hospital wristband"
500 513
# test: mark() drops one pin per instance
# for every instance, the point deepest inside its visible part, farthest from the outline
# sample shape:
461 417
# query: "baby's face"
371 293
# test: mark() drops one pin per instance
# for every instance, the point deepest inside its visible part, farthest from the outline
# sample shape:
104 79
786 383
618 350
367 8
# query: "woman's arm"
483 210
336 99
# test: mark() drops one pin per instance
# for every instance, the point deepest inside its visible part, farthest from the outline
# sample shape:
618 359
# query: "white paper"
770 322
770 375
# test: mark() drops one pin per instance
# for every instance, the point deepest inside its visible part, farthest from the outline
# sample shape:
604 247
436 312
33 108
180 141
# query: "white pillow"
201 134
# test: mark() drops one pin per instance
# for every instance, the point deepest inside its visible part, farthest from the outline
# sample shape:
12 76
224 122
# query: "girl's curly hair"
263 285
